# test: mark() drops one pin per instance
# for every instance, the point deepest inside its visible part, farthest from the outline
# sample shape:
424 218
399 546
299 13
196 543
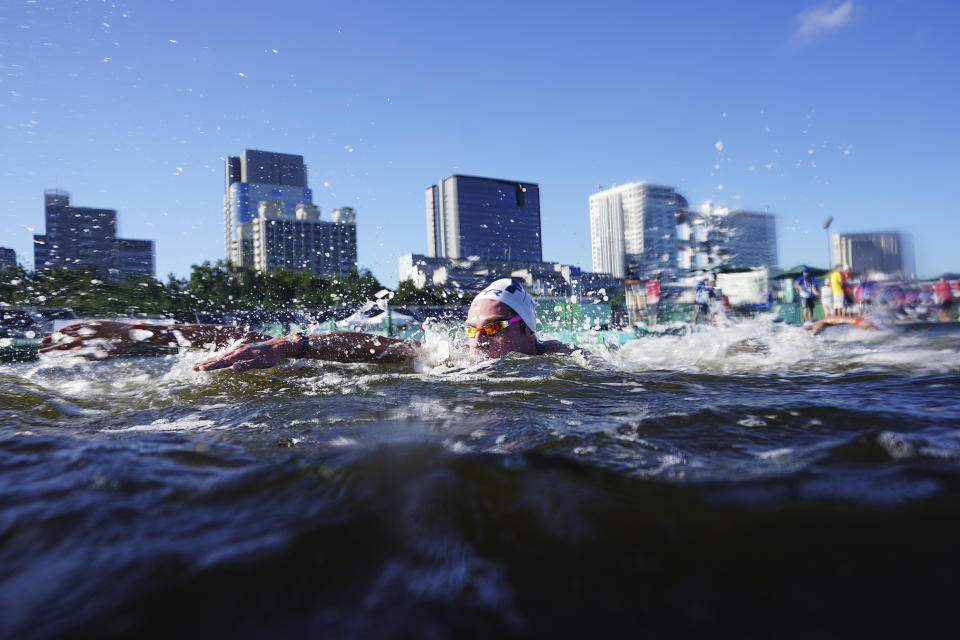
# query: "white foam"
164 424
774 453
784 348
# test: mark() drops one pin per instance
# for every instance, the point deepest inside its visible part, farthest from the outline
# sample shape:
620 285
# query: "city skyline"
836 109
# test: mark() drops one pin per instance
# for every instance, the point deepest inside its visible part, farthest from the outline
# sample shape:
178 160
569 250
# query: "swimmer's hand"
93 339
260 355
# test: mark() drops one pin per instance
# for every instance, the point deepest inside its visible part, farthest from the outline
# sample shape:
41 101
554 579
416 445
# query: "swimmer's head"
511 293
502 300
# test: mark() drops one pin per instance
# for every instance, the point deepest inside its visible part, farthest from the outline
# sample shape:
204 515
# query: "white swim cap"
510 293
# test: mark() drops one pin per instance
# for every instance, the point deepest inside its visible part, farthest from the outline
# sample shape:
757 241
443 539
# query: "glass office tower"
270 221
634 222
254 177
83 236
487 218
8 257
751 239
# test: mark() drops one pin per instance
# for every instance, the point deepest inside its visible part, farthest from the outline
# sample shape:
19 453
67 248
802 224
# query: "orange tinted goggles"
491 328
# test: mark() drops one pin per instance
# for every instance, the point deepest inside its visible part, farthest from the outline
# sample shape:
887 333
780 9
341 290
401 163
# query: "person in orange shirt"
945 299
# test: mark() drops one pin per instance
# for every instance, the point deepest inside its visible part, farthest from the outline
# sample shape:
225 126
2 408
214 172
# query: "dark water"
659 490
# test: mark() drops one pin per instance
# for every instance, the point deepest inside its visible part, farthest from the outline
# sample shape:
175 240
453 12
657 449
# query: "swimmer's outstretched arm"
555 346
338 346
109 338
830 321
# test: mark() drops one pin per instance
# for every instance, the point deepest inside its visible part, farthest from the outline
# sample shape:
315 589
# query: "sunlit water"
671 485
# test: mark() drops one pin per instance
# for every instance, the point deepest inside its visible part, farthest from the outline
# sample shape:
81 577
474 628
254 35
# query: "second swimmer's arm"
197 335
110 338
338 346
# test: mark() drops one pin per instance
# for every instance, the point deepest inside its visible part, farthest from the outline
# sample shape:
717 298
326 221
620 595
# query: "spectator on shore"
864 292
944 299
653 300
826 296
806 286
835 278
848 301
701 300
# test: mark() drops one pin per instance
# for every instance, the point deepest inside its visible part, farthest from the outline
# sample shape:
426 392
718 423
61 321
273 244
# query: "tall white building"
634 222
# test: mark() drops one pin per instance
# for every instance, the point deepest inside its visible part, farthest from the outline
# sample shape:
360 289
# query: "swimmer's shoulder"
554 346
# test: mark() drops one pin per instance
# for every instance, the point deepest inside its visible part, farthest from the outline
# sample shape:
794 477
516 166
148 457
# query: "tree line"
210 287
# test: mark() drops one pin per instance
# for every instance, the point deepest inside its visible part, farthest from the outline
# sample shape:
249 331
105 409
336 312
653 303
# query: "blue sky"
844 108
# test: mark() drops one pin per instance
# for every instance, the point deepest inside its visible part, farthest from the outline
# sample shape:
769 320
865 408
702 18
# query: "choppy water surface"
664 487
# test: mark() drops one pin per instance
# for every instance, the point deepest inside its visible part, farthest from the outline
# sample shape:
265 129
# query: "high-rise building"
83 236
8 257
304 242
634 222
270 221
254 177
719 235
487 218
135 256
882 252
751 238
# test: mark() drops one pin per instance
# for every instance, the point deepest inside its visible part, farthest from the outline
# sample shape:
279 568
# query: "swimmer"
102 339
501 320
749 346
830 321
755 345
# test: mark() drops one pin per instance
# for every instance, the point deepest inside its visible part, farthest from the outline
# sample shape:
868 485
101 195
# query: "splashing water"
474 496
